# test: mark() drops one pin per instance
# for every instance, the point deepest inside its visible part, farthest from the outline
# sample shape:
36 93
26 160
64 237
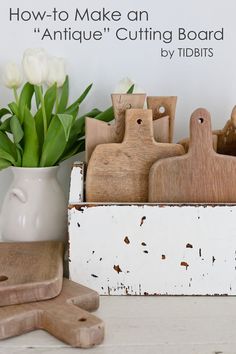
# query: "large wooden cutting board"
98 132
65 317
200 176
119 172
30 271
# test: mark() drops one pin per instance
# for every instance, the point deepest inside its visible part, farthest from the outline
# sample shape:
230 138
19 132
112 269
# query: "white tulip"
12 76
56 71
124 85
35 64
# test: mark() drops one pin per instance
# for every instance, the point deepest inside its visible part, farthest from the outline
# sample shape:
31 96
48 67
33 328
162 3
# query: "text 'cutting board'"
30 271
119 172
200 176
65 317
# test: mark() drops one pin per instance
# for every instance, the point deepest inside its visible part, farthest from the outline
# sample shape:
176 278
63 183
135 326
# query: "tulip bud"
124 85
12 76
56 72
35 64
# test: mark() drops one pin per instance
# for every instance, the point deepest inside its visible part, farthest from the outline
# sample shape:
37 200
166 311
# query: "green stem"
40 93
16 95
57 101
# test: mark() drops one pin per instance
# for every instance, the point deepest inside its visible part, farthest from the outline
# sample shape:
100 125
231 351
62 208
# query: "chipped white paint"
77 183
153 249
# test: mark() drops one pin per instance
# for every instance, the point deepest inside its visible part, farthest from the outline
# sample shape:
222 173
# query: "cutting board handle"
122 102
200 132
138 126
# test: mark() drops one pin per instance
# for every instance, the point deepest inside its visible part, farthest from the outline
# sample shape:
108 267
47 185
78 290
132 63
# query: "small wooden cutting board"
200 176
30 271
162 107
65 317
98 132
119 172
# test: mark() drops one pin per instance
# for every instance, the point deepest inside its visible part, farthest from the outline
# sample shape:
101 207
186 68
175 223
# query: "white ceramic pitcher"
34 208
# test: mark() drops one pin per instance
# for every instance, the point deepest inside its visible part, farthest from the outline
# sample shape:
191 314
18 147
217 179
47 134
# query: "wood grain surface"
30 271
224 140
65 317
163 106
98 132
200 176
119 172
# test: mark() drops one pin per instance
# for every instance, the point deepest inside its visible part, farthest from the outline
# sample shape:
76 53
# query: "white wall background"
209 82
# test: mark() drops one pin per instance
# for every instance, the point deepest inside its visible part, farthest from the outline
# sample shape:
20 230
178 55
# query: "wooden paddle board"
30 271
65 317
200 176
119 172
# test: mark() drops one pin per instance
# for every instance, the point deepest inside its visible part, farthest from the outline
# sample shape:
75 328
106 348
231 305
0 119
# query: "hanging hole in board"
3 278
161 110
83 319
139 121
200 120
128 106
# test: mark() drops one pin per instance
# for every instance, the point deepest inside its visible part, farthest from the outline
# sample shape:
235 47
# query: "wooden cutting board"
30 271
119 172
99 132
224 140
200 176
65 317
163 106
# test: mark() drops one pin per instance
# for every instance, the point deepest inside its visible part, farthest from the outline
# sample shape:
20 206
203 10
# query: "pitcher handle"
20 194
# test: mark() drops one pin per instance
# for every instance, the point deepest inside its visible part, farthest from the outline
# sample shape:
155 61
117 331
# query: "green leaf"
37 96
4 112
78 146
19 157
73 111
64 96
66 121
31 144
4 164
49 100
78 128
5 126
38 118
131 89
25 100
16 129
14 108
81 98
55 141
4 155
107 115
7 145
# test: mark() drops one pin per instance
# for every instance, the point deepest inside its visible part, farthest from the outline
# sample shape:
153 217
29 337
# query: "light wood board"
200 176
164 106
65 317
98 132
30 271
119 172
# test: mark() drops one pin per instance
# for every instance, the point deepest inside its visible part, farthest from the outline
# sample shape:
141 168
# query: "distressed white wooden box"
151 249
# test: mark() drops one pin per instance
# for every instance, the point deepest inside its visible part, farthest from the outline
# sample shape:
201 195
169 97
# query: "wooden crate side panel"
147 250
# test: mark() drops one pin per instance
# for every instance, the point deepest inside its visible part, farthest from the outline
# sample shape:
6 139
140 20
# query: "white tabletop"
149 325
